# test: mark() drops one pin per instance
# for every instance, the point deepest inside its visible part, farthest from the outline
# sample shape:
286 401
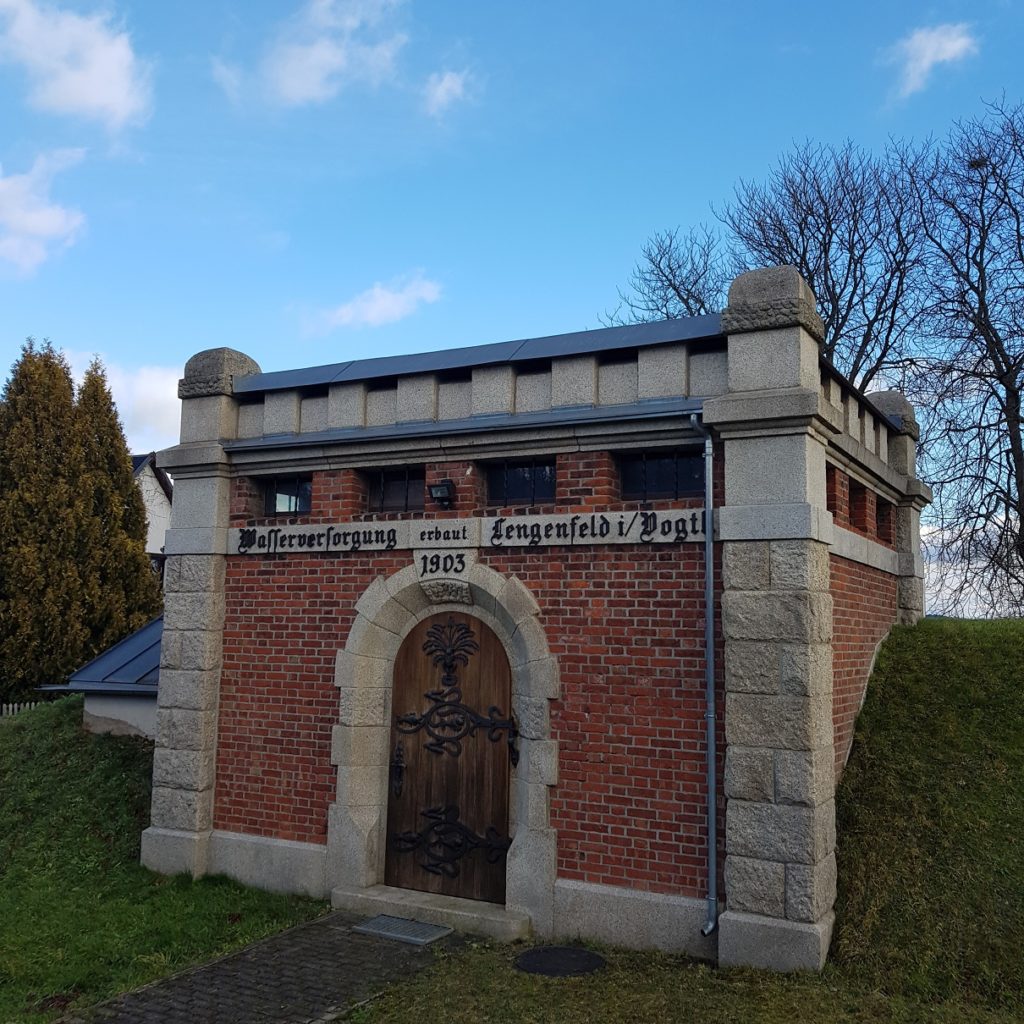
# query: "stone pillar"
190 653
902 457
780 870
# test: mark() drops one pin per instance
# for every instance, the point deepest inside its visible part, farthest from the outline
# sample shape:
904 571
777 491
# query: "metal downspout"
711 768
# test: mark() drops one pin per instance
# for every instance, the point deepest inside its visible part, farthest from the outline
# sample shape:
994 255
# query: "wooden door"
453 739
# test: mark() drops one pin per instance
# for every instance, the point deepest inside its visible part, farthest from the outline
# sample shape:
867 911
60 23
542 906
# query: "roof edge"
601 339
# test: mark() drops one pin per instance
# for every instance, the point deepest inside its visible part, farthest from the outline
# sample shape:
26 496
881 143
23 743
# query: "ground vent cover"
401 929
559 961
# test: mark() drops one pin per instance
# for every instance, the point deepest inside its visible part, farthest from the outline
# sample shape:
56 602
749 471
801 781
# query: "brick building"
437 628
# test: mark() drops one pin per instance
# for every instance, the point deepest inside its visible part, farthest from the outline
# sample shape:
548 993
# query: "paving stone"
314 972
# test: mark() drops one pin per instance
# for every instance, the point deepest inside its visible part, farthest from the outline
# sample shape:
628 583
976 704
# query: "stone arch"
386 612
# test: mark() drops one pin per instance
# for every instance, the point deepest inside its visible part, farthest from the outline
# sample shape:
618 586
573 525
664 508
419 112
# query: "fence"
6 710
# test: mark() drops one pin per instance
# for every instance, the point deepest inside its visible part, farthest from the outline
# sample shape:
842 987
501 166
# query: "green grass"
931 866
80 920
931 817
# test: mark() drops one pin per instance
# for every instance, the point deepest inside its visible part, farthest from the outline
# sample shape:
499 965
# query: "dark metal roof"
656 408
604 339
131 666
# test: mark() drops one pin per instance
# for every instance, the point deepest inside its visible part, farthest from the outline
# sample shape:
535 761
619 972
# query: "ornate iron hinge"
445 841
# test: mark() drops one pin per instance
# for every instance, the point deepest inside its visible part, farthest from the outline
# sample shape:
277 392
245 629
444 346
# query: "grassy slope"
931 904
931 817
79 919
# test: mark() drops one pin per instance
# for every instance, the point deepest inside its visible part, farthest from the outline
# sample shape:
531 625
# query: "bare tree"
844 219
847 221
969 370
917 261
679 274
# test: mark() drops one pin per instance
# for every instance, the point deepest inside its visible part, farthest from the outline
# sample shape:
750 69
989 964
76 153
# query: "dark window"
646 476
529 482
287 495
884 520
395 490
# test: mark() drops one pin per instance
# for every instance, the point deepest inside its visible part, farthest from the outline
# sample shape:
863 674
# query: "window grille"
521 482
647 476
395 490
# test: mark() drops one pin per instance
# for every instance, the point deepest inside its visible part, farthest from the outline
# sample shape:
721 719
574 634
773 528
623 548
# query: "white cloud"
925 48
228 77
443 89
381 304
329 45
78 64
31 224
146 398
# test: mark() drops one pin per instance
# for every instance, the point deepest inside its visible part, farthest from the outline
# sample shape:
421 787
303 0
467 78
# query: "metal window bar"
644 462
407 476
498 480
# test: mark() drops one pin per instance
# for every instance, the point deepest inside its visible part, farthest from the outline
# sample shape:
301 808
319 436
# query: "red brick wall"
858 508
863 610
287 617
626 624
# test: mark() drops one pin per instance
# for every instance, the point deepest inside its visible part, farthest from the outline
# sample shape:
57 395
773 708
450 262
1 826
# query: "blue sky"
322 180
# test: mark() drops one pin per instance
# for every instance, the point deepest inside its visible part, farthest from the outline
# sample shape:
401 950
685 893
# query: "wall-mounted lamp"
442 492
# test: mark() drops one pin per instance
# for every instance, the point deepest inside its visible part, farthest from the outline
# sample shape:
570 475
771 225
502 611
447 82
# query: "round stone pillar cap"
211 372
895 405
769 298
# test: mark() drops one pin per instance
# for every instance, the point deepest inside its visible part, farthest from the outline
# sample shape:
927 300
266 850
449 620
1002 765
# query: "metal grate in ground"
401 929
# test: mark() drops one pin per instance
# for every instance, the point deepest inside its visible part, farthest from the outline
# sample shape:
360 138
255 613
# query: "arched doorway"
453 741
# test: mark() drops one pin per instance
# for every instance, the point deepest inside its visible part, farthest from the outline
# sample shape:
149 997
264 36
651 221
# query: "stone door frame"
386 613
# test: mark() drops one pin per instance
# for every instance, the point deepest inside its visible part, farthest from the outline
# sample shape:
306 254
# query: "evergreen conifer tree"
74 574
121 592
43 509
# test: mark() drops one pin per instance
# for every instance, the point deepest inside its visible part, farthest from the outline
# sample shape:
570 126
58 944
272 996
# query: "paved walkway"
314 972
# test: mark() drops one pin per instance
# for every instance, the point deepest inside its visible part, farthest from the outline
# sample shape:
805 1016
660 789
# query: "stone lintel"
195 458
864 465
799 521
759 410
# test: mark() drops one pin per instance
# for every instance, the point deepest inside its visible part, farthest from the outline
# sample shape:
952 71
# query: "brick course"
863 611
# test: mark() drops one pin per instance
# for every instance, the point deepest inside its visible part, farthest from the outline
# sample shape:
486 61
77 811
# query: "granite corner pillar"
780 870
184 759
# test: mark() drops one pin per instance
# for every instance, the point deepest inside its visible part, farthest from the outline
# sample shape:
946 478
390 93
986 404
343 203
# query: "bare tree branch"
917 261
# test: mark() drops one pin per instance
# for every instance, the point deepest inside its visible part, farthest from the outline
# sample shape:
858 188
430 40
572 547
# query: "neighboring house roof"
139 464
131 666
